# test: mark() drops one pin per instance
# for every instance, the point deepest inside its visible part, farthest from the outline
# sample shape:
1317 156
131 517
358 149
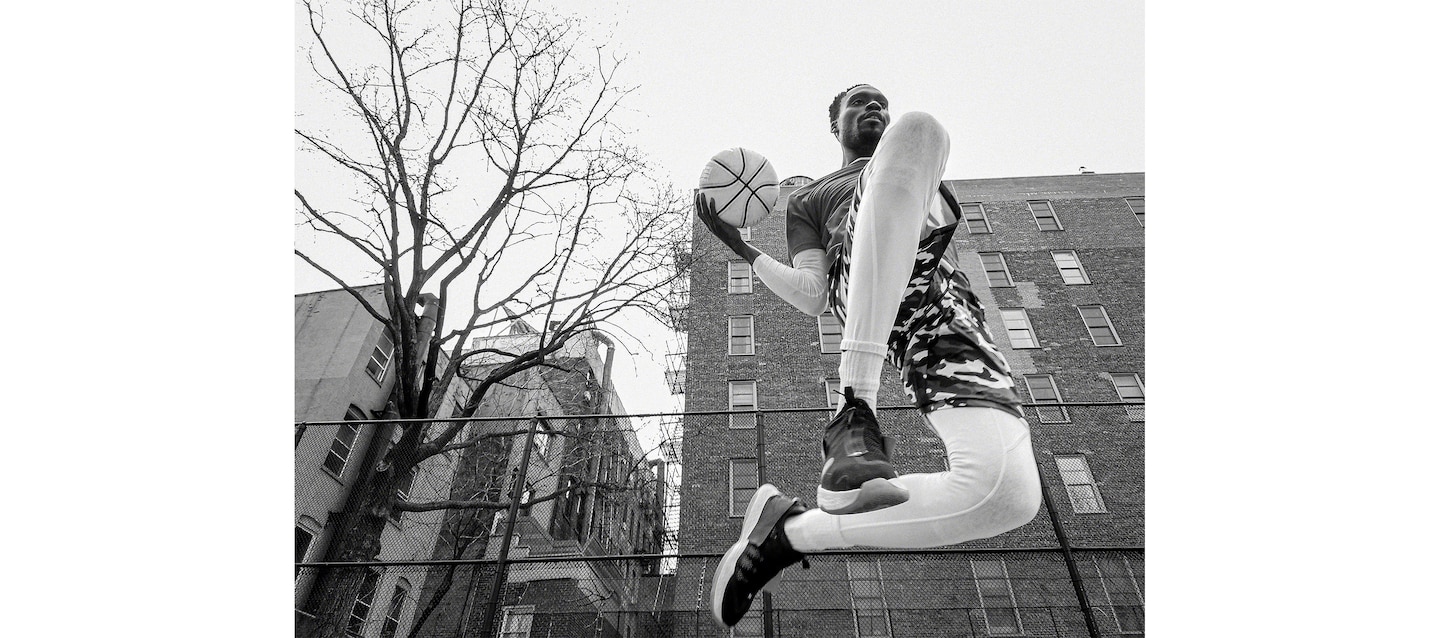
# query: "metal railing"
573 566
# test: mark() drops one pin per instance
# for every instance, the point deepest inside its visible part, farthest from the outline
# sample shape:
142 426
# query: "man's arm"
802 286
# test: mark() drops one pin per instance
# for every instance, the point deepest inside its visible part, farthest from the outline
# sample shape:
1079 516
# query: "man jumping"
868 241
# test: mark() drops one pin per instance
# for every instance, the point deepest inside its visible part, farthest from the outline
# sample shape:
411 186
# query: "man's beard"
863 142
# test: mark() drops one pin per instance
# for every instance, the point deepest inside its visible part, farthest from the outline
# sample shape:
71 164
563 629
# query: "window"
363 600
340 448
750 626
997 598
303 538
1137 206
402 492
543 437
996 272
741 277
1017 326
1042 390
525 496
392 615
516 621
1044 215
1102 332
830 332
742 397
1080 484
744 480
833 396
380 358
742 335
871 618
975 220
1130 389
1123 593
1071 272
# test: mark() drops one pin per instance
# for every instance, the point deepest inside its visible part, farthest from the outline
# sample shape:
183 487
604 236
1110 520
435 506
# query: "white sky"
1024 89
1032 88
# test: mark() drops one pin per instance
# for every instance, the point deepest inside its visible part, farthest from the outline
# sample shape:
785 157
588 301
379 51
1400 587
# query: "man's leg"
992 487
892 202
895 192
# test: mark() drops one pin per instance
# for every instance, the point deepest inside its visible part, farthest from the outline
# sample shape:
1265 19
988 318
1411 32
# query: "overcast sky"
1032 88
1039 88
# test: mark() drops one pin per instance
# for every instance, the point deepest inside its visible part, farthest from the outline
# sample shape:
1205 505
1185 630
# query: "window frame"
402 492
1136 413
391 624
732 278
1139 214
378 376
820 329
355 623
1050 207
730 330
1093 484
833 398
1005 320
509 612
984 218
731 502
1014 607
1004 268
1109 325
752 408
354 428
1042 411
1134 582
309 543
1079 267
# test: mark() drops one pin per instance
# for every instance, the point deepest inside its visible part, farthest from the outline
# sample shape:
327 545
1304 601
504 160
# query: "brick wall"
790 371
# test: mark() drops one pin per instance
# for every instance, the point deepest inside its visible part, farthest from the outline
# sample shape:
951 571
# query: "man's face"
864 114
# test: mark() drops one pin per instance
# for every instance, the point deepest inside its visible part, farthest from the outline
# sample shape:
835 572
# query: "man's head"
858 116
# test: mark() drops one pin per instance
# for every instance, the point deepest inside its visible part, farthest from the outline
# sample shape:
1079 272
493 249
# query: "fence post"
1064 542
767 606
517 487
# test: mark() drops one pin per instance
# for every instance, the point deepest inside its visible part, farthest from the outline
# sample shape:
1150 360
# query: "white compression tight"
900 187
992 487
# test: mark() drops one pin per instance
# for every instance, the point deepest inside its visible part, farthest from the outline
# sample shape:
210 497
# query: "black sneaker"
757 557
857 471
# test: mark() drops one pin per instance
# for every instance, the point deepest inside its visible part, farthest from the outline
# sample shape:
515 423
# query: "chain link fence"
602 537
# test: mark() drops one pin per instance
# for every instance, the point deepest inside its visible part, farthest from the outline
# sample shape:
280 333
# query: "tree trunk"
361 524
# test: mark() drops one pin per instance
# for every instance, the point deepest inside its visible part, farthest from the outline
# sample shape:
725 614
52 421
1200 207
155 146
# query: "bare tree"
490 174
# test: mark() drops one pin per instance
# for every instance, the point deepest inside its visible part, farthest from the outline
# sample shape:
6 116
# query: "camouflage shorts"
939 342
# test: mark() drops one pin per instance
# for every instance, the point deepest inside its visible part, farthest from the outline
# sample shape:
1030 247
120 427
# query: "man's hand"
728 235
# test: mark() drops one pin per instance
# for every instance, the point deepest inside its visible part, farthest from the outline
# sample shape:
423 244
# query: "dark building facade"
1058 262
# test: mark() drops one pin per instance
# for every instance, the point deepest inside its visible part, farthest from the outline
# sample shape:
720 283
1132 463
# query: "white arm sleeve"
803 286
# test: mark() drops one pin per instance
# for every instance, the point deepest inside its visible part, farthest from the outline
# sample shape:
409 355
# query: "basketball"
742 184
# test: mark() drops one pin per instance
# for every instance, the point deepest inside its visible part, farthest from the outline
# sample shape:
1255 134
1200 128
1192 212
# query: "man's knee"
918 126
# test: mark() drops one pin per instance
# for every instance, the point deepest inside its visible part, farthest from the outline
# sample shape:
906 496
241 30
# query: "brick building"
618 512
345 371
1058 262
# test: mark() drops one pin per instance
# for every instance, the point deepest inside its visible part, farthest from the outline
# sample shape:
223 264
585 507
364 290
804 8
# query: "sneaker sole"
874 494
726 568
